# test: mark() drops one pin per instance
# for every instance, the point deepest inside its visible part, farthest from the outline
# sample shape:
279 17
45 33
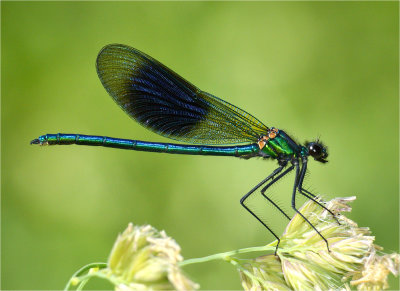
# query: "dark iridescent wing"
169 105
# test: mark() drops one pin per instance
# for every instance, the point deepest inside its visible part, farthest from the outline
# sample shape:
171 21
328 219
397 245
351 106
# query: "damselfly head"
317 150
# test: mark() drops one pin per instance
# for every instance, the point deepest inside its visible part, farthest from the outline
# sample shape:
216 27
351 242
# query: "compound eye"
315 150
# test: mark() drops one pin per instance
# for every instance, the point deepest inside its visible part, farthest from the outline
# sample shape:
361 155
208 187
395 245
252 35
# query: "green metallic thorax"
280 146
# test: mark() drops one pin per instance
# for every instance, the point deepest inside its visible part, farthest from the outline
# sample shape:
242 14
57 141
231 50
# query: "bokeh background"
314 69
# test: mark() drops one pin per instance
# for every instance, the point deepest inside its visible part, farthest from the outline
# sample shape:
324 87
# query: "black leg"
271 176
296 182
271 183
308 194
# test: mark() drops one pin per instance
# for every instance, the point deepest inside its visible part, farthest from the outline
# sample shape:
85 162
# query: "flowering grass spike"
145 259
304 263
142 259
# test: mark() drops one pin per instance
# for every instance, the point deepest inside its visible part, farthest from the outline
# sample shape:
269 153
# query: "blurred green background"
327 69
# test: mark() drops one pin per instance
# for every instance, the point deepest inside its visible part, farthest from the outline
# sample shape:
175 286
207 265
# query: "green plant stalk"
224 256
81 271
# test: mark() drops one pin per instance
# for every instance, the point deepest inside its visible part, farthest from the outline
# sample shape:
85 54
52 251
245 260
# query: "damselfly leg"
308 194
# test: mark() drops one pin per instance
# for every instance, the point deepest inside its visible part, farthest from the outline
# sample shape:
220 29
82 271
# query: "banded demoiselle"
164 102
